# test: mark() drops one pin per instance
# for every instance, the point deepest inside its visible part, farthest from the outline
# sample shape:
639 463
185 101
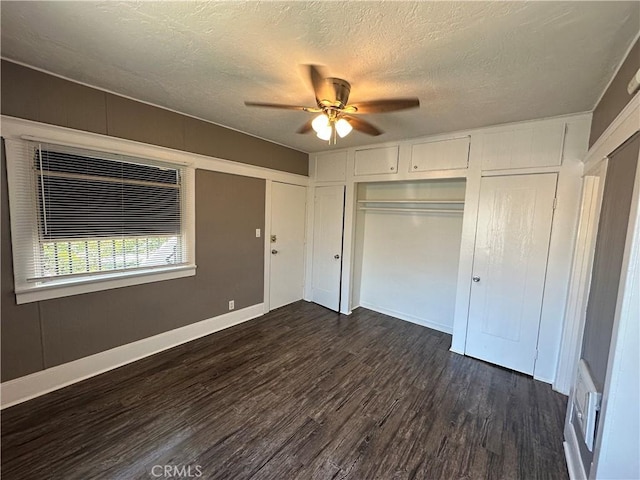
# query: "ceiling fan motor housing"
342 89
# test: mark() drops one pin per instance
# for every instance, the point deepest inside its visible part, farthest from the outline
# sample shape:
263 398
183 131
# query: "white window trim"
14 130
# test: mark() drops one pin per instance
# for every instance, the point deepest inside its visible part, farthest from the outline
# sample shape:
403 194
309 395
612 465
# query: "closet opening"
407 249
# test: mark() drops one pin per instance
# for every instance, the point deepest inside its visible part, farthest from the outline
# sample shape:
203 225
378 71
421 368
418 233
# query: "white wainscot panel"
331 167
524 147
440 155
374 161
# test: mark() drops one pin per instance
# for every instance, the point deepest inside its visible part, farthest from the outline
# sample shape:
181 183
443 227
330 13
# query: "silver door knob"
475 278
336 256
274 251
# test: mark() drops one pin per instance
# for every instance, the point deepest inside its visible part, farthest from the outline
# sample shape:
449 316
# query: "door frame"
619 131
575 314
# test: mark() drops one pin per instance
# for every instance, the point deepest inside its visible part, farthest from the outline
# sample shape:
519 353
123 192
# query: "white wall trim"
39 383
617 430
104 282
580 280
572 456
408 318
619 131
18 128
625 124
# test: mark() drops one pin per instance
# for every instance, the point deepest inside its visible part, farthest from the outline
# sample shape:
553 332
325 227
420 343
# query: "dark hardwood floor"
301 393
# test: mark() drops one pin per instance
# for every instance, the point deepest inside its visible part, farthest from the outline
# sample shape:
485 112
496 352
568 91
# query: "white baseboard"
409 318
572 455
544 379
30 386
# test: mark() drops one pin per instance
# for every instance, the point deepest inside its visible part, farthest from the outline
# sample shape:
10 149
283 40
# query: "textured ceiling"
471 63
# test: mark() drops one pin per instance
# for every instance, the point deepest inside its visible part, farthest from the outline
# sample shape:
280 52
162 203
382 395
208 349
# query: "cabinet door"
509 269
537 146
374 161
441 155
331 167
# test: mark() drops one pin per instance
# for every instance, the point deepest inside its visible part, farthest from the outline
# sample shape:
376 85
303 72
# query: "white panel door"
288 213
509 268
327 246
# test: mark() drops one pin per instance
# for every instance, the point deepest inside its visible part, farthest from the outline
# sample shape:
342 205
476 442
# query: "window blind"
92 213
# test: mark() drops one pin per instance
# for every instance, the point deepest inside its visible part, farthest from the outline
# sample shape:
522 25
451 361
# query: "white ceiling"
471 63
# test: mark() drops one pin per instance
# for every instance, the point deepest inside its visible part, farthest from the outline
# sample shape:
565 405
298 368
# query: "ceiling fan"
336 116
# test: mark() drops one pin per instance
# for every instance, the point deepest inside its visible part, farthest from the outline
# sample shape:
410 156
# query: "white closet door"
509 268
288 213
327 246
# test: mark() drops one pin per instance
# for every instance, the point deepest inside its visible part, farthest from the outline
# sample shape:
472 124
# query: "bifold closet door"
509 269
328 221
288 217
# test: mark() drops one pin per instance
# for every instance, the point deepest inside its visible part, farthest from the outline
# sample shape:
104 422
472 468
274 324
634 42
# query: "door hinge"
555 202
535 357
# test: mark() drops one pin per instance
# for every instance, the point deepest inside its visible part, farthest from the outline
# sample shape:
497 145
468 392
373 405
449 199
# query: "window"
80 216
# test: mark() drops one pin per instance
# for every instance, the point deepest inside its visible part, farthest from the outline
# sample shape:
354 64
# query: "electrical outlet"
232 304
257 233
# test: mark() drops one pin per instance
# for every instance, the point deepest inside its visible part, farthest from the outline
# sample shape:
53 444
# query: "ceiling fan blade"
281 106
306 128
363 126
390 105
321 87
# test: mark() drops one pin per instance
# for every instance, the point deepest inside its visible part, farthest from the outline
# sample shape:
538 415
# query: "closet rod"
400 209
452 202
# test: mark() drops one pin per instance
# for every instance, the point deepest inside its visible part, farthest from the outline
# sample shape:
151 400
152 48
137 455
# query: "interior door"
288 214
328 223
509 268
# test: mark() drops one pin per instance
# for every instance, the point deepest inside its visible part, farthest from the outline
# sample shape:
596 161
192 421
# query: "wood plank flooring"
301 393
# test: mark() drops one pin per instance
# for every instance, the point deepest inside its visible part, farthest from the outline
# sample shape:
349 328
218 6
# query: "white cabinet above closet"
375 161
537 145
331 167
441 155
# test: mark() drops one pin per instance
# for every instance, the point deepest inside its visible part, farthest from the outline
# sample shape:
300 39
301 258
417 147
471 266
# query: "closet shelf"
441 202
405 209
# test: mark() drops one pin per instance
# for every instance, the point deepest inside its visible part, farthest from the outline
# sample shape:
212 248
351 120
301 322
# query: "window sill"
67 288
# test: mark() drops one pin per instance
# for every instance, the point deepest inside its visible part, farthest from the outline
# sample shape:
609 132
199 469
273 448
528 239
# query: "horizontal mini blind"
91 213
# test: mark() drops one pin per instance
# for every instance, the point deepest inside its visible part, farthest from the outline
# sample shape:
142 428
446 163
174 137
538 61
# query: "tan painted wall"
30 94
230 262
229 208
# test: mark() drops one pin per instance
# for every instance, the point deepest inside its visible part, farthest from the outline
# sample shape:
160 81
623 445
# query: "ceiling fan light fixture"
343 127
325 132
321 123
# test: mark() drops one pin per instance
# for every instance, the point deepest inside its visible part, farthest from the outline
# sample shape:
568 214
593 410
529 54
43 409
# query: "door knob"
336 256
475 278
274 251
